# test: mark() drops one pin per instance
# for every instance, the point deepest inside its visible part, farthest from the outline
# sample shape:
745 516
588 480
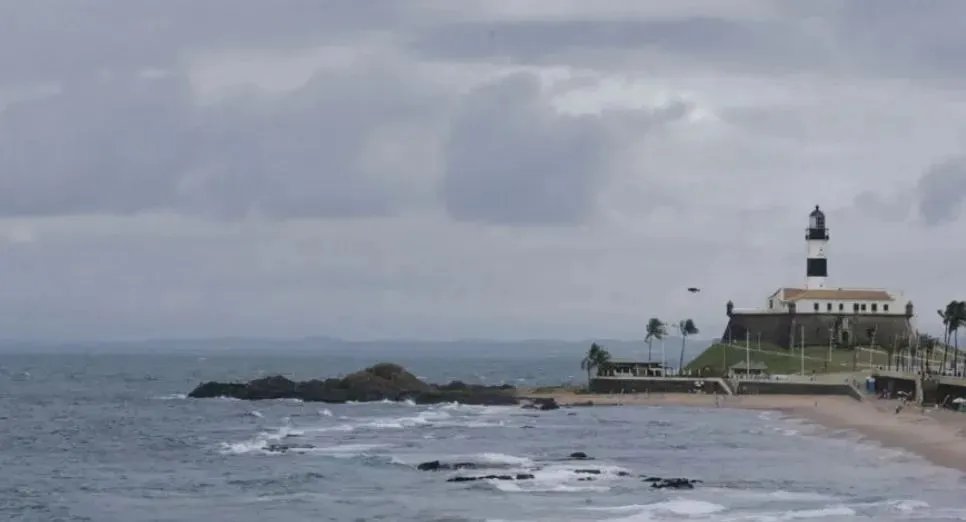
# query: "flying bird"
694 289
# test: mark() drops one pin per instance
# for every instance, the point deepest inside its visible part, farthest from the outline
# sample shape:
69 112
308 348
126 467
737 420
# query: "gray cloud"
886 208
301 157
124 143
748 43
639 151
891 37
513 158
941 190
42 41
113 144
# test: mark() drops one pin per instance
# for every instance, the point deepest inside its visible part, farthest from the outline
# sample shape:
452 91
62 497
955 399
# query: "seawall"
933 389
615 385
753 387
605 385
785 330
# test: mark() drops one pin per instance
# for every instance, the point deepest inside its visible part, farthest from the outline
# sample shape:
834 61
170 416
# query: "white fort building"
818 312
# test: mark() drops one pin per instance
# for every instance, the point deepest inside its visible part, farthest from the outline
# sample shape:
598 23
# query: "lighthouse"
816 238
817 315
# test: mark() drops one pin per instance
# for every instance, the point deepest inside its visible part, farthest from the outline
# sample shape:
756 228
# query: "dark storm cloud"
941 190
512 158
124 143
51 39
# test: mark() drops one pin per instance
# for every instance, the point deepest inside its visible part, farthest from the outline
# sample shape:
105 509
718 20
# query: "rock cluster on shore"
384 381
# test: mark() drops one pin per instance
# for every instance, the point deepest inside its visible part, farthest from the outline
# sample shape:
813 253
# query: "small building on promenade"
624 368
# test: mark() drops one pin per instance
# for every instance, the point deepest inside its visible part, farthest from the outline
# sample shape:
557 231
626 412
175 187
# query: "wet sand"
939 436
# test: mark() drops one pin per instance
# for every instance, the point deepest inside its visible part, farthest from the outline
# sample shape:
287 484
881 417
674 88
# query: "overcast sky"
490 168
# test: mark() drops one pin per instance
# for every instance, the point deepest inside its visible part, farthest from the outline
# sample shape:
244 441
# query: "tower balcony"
816 234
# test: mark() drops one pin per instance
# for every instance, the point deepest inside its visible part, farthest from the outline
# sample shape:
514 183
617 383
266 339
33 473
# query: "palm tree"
959 322
946 315
686 327
915 351
957 319
597 358
927 344
656 329
891 352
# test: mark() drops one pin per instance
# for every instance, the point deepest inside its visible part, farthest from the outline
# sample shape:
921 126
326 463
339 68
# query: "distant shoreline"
937 435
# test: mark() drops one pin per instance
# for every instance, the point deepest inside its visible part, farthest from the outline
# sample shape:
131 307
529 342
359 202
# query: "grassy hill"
781 361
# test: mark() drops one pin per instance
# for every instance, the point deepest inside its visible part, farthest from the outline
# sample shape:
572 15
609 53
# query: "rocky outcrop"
583 474
435 465
671 483
384 381
544 404
516 476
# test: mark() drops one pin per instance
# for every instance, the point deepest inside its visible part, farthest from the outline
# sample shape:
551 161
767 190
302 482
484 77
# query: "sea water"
111 437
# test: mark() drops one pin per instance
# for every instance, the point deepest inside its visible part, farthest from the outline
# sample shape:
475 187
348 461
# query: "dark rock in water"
583 474
282 448
673 483
380 382
435 465
518 476
582 404
579 455
462 479
542 404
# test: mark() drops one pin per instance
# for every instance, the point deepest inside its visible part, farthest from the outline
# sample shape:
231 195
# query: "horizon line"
327 338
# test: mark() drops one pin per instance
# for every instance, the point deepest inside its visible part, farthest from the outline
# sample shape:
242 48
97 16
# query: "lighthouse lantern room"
816 238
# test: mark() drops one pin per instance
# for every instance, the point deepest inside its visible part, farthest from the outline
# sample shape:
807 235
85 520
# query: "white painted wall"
817 248
807 306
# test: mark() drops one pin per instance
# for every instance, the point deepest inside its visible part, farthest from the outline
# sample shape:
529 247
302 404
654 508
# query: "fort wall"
787 329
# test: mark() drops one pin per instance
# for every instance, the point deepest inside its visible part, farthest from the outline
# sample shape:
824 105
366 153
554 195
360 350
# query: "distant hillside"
817 359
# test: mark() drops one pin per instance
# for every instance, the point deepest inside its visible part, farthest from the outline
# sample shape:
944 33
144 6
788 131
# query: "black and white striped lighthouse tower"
816 236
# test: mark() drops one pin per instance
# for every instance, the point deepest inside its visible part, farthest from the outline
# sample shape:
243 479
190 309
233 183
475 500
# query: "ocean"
108 437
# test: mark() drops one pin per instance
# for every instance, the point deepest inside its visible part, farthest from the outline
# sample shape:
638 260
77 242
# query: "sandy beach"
939 436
